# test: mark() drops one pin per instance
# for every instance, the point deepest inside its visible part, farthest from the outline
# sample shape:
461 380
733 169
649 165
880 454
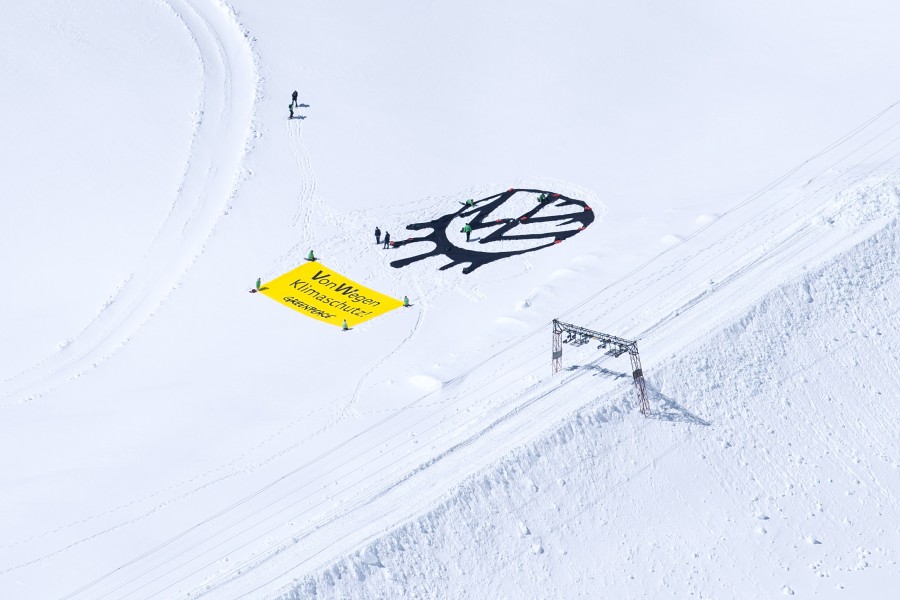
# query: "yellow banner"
319 292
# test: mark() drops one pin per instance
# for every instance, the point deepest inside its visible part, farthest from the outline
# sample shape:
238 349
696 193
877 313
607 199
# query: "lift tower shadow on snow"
578 336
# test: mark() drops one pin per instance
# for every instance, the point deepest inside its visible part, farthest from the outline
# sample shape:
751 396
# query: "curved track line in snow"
308 181
211 176
349 409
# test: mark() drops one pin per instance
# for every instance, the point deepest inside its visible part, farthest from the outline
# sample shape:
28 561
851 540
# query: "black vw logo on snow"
553 218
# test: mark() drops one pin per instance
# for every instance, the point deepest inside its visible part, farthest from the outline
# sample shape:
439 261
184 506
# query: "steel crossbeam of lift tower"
614 346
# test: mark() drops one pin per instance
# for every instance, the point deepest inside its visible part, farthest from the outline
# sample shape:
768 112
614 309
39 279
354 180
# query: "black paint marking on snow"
501 230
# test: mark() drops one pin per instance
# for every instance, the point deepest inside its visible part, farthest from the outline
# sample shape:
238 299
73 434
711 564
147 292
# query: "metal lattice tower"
615 347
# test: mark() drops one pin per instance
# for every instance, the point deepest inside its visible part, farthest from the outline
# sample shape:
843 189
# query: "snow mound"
426 383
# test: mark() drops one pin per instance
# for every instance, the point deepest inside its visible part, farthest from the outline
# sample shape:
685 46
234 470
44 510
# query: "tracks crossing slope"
211 175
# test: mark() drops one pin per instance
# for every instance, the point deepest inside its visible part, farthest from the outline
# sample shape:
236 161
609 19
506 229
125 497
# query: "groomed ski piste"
166 434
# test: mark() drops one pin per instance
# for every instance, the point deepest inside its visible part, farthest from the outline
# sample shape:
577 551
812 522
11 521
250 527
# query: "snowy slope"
781 477
379 490
166 434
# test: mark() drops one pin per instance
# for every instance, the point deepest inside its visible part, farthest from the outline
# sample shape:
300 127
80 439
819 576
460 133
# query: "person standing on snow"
387 240
294 97
291 109
467 229
377 235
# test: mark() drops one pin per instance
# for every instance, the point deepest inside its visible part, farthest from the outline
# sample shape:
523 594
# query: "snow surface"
167 435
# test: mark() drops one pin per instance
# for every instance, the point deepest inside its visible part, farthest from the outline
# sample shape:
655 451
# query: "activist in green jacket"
467 229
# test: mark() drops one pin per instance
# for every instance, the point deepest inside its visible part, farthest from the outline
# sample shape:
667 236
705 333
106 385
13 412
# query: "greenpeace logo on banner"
319 292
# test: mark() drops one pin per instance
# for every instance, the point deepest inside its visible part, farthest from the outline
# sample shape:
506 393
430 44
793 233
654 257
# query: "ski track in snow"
349 409
312 212
307 177
211 176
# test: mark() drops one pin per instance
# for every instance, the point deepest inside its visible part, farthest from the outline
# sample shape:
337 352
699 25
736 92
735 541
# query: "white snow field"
165 434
